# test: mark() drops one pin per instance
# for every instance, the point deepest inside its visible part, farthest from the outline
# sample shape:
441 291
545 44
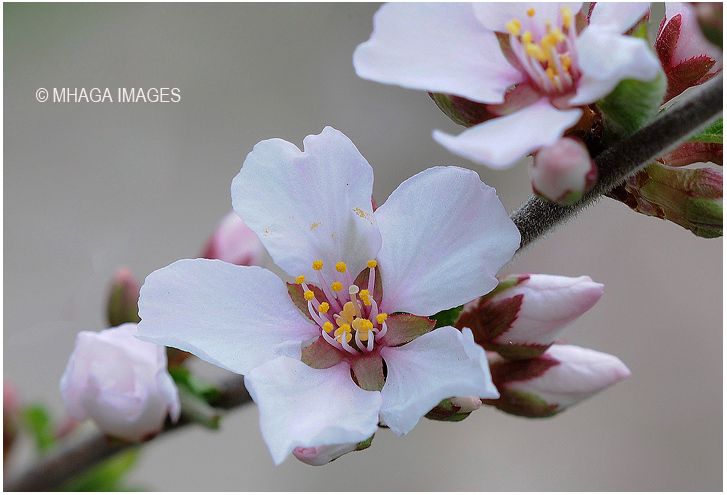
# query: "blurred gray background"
92 187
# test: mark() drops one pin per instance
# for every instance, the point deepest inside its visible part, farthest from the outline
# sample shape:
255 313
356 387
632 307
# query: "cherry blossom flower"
121 383
313 352
533 65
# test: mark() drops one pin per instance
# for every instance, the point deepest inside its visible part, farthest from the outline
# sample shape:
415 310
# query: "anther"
309 295
337 286
300 279
371 264
513 27
327 327
531 11
341 267
381 318
318 265
567 16
324 307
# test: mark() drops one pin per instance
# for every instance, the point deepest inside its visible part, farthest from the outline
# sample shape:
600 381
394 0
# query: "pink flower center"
349 319
546 52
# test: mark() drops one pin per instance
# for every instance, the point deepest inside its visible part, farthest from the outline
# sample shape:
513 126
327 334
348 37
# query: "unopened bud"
691 198
454 409
710 19
560 378
234 242
121 383
123 305
687 57
323 454
563 171
691 152
527 313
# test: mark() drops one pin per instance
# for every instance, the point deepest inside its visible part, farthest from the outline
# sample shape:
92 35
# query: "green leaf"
38 422
712 134
107 476
447 317
202 388
631 106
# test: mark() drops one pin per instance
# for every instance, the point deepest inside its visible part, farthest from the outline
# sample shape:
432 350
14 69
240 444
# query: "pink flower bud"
318 456
454 409
548 384
123 305
234 242
687 57
527 313
563 171
120 382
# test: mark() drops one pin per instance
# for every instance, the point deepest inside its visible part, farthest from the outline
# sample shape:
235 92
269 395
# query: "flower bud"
323 454
121 383
563 171
691 198
693 152
710 19
687 57
454 409
123 305
526 313
234 242
546 385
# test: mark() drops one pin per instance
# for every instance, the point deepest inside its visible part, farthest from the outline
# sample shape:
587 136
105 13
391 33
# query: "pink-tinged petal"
310 205
437 47
235 317
619 16
626 58
578 374
445 235
304 407
691 42
494 15
500 142
441 364
323 454
549 303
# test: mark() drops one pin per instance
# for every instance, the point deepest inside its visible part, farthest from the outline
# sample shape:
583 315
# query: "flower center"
546 52
349 319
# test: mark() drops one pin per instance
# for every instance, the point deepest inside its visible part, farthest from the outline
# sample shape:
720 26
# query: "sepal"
454 409
123 300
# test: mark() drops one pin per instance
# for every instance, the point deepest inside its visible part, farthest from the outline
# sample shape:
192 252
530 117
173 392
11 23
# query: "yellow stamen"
318 265
371 264
344 330
513 27
328 326
381 318
531 11
348 310
534 50
309 295
550 73
341 267
324 307
527 37
567 16
336 286
300 279
365 297
565 61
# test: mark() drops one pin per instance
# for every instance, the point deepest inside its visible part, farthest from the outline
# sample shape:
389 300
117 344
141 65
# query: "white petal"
438 47
438 365
235 317
620 16
304 407
500 142
626 58
494 15
310 205
445 235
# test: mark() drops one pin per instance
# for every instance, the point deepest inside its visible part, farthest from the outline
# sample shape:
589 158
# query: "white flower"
544 73
436 243
120 382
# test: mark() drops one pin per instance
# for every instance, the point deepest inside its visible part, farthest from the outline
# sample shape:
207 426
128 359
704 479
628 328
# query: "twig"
534 218
537 217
